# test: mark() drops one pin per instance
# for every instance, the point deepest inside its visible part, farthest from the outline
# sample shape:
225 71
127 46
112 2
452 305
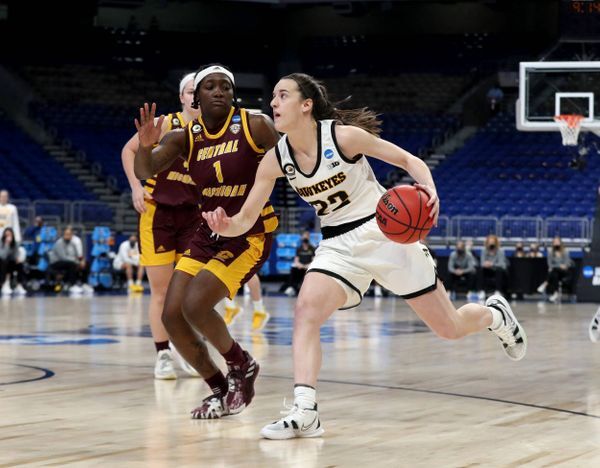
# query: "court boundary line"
47 373
440 392
345 382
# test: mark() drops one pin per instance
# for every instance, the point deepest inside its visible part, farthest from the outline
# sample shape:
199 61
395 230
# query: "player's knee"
170 316
306 314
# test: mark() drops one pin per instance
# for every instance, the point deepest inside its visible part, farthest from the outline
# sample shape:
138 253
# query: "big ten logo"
224 255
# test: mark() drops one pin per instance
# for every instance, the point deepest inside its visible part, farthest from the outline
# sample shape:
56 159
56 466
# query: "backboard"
547 89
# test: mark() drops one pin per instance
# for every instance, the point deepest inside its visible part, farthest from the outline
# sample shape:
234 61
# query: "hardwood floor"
77 389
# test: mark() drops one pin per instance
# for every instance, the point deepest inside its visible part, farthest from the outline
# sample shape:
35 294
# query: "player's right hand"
138 196
217 220
148 130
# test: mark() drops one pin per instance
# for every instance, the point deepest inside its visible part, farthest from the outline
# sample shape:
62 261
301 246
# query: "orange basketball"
402 214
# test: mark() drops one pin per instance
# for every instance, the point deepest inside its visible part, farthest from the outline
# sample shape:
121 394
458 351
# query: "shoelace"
234 380
289 409
214 404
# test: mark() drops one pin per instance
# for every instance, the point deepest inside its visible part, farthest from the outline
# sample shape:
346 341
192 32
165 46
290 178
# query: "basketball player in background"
594 327
169 215
322 156
223 148
260 317
9 216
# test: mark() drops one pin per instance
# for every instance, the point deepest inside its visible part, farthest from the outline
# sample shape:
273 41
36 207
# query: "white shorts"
363 254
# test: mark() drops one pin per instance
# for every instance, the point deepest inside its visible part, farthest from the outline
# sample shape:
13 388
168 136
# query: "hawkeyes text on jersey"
342 190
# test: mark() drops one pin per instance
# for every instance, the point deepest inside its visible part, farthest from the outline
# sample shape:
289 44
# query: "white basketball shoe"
183 364
594 329
164 368
297 422
509 332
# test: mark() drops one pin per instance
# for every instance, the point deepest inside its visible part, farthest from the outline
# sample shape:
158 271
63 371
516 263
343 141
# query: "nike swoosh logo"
306 428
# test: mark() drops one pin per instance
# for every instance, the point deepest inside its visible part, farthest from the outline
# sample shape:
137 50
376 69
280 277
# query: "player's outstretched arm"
355 141
267 174
138 193
150 161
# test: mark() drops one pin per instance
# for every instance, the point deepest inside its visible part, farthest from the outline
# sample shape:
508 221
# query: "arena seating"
501 171
28 172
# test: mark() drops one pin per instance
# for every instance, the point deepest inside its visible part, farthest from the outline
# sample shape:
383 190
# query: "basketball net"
569 125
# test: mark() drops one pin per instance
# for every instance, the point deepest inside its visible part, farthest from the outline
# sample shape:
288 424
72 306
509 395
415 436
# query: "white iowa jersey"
340 189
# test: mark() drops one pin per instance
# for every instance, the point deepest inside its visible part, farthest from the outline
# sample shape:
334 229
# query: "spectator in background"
560 270
33 234
494 267
68 263
10 262
9 216
463 270
520 250
495 97
128 260
304 256
534 251
83 270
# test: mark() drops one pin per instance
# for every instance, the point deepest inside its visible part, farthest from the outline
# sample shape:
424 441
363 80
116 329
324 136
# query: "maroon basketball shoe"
241 384
213 407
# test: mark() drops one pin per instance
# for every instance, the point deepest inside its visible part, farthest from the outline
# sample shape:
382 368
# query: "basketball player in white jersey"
322 157
594 328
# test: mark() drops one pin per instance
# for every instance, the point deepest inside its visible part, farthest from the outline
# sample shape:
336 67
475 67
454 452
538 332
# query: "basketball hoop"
569 126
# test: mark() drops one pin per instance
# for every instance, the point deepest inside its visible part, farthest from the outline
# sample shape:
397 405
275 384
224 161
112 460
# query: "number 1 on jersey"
217 166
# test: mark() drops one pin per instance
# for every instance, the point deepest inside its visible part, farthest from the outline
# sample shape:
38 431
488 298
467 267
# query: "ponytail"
323 108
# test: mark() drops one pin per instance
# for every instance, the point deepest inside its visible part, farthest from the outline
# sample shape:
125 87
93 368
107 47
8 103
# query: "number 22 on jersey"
339 198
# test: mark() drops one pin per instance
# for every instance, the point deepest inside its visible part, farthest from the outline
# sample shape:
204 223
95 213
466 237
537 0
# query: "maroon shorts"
165 232
234 260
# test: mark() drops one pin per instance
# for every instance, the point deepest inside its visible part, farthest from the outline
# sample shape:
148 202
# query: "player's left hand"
217 220
433 203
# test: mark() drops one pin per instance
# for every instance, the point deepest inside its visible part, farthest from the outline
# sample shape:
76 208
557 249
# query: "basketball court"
77 389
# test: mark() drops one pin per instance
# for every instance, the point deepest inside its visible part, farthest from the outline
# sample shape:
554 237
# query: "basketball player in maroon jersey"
322 156
223 148
168 208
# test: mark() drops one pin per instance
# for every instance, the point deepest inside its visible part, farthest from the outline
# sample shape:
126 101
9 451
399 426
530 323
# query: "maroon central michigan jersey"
173 186
224 165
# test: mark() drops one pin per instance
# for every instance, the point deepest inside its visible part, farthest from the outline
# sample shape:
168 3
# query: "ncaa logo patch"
236 119
588 271
235 128
197 128
328 154
290 171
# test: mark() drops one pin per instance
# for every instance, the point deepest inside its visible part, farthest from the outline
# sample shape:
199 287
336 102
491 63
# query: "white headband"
214 69
184 81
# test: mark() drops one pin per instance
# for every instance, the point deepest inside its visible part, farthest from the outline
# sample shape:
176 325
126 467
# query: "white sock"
259 306
138 282
305 397
230 303
129 282
497 318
